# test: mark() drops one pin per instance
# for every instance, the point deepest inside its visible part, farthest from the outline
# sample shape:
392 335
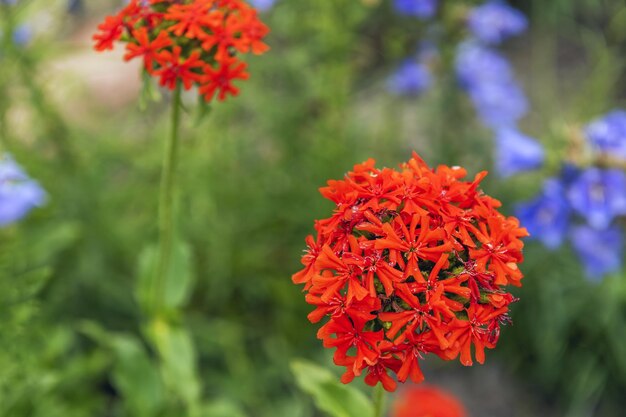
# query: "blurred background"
535 101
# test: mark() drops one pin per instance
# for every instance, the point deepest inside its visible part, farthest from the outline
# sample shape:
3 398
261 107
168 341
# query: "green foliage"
179 278
330 395
177 353
134 373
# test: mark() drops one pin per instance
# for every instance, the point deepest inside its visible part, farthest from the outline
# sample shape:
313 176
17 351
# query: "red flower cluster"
411 262
427 402
193 42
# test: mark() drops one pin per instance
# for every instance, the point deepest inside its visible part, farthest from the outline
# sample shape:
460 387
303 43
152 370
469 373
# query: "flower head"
516 152
427 401
22 35
412 261
547 216
411 78
488 79
495 21
423 9
18 193
181 42
477 65
599 195
599 250
499 105
608 133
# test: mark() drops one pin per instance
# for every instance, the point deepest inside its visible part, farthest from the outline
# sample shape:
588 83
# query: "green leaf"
135 374
178 280
330 395
51 240
178 356
221 408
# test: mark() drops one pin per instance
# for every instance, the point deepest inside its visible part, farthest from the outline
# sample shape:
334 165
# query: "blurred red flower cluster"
193 42
427 401
411 262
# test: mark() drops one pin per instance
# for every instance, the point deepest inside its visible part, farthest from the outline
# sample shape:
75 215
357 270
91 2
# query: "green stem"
379 401
167 202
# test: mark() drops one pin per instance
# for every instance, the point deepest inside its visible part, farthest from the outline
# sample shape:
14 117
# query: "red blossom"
411 262
220 80
191 42
175 68
146 48
427 401
109 32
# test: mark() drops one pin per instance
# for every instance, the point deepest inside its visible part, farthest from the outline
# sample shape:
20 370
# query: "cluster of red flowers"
193 42
427 401
411 262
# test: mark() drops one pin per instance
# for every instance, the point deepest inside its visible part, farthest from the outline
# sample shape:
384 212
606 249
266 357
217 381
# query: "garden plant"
455 171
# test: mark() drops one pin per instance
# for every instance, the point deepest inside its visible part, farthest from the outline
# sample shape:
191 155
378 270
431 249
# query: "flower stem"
379 401
167 201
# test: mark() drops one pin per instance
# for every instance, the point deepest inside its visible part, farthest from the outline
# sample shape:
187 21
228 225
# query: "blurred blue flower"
411 78
22 35
423 9
495 21
488 78
262 5
599 250
599 195
499 105
569 173
10 2
516 152
608 133
477 65
547 216
18 193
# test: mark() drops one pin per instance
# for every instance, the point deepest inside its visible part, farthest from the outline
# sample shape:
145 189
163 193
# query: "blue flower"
599 250
423 9
569 173
608 133
547 216
18 193
262 5
495 21
477 65
22 35
411 78
516 152
488 78
599 195
499 105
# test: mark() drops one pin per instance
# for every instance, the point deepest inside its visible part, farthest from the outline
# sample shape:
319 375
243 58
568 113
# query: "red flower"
110 31
174 68
412 262
148 49
191 20
191 42
427 401
220 80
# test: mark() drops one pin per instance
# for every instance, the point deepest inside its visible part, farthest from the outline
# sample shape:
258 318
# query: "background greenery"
73 340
